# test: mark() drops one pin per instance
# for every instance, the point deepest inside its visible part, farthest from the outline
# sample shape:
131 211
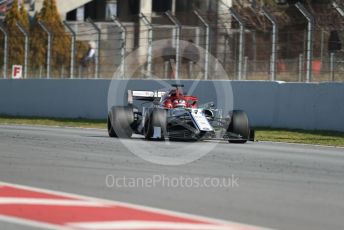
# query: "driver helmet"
179 103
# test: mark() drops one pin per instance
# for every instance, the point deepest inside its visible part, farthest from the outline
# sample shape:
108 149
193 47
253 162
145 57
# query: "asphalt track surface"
280 186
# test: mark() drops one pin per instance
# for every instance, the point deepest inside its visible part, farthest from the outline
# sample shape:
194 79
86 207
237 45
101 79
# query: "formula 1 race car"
175 116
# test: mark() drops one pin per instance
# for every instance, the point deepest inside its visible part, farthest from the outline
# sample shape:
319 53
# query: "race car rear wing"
144 95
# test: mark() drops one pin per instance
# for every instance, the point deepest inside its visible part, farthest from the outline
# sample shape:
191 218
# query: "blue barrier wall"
269 104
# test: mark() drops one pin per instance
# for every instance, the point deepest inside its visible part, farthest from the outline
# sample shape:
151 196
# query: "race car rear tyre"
119 121
239 125
111 132
155 118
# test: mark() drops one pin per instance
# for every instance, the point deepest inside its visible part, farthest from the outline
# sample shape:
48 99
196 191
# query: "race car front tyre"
155 118
119 122
239 125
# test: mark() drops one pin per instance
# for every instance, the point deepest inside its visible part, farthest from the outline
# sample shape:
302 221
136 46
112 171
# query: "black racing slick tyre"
239 125
155 118
119 122
110 129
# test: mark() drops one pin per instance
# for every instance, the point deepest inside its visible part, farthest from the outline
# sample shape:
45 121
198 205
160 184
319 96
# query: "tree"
16 37
50 17
24 17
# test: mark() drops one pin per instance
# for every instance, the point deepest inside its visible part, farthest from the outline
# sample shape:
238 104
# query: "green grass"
81 123
330 138
262 134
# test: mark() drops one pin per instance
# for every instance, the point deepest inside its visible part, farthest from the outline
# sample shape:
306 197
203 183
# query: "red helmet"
179 103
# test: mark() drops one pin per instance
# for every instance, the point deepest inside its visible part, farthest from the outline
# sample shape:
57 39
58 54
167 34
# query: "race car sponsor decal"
201 121
143 93
56 210
146 93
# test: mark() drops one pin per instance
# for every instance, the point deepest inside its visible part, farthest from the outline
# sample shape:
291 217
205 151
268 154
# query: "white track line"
54 202
139 225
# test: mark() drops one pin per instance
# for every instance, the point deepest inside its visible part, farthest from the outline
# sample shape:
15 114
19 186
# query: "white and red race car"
175 116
